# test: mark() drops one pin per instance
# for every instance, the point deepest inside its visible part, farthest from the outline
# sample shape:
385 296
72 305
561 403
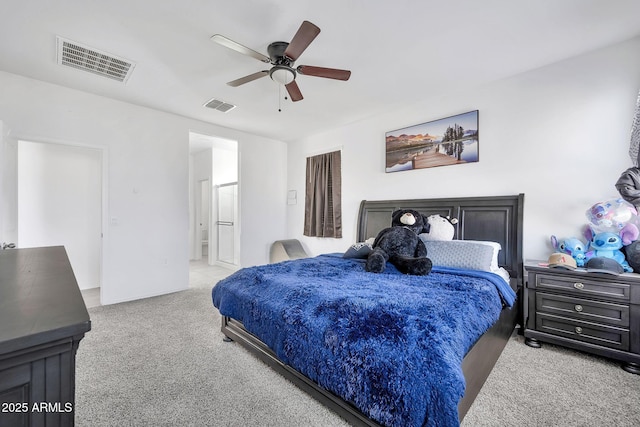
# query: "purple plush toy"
574 247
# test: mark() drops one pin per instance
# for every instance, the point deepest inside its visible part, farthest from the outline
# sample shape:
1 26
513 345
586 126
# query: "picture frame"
448 141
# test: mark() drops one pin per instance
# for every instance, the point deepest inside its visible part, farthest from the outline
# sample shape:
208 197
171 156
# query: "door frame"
198 220
104 232
236 230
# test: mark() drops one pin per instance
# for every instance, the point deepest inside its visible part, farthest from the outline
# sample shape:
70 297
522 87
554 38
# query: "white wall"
224 166
146 227
262 204
559 134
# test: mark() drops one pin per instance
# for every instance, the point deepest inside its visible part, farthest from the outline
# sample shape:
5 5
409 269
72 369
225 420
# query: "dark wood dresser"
592 312
42 320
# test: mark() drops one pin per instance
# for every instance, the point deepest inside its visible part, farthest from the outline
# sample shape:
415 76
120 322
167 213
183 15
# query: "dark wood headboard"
494 218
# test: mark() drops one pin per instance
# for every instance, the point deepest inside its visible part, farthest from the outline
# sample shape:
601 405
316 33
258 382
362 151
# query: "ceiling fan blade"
329 73
222 40
294 91
303 38
249 78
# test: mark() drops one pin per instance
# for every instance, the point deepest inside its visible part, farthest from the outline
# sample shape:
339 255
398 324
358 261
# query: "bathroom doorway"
214 221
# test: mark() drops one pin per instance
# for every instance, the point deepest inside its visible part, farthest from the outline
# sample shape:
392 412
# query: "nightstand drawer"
606 336
577 285
583 309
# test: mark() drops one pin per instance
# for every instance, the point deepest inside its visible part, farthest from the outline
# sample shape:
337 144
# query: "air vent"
85 58
216 104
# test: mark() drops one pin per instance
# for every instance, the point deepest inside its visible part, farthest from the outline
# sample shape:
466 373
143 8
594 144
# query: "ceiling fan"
282 55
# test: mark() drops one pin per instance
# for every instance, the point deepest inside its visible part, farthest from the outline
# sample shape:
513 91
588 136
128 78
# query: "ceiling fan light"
282 75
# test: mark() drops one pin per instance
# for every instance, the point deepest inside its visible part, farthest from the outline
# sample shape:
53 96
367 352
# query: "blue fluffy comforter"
391 344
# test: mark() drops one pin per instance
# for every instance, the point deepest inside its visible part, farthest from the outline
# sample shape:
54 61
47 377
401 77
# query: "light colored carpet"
555 386
162 362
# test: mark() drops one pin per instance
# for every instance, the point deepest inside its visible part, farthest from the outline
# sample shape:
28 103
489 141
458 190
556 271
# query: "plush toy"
607 244
632 255
400 245
574 247
439 228
627 234
614 225
612 215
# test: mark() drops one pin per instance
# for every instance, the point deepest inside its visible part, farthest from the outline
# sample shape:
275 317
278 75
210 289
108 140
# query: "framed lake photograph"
449 141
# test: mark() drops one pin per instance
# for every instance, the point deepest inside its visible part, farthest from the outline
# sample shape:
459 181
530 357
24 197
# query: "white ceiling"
399 51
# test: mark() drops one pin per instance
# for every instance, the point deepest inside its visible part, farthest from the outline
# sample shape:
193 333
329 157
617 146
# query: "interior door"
227 222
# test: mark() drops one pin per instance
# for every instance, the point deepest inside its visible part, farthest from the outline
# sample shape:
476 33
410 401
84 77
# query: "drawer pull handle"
578 285
578 330
578 308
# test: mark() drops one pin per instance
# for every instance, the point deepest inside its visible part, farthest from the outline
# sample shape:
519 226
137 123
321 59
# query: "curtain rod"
325 151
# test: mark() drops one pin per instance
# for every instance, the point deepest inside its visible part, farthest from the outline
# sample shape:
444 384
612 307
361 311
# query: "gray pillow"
467 254
358 250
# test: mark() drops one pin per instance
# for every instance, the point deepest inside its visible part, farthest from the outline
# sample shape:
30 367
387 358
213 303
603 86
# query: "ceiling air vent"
85 58
216 104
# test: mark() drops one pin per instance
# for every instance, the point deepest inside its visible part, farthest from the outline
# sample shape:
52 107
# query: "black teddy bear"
400 245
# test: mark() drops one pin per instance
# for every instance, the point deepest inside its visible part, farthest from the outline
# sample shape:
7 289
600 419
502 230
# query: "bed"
344 356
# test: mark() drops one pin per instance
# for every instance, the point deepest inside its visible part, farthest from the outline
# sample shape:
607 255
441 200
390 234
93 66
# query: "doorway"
60 204
214 206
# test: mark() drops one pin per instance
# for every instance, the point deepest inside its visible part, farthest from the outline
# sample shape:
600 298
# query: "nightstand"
592 312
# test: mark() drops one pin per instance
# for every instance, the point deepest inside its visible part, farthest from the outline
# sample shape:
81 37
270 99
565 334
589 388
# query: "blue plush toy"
607 244
574 247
